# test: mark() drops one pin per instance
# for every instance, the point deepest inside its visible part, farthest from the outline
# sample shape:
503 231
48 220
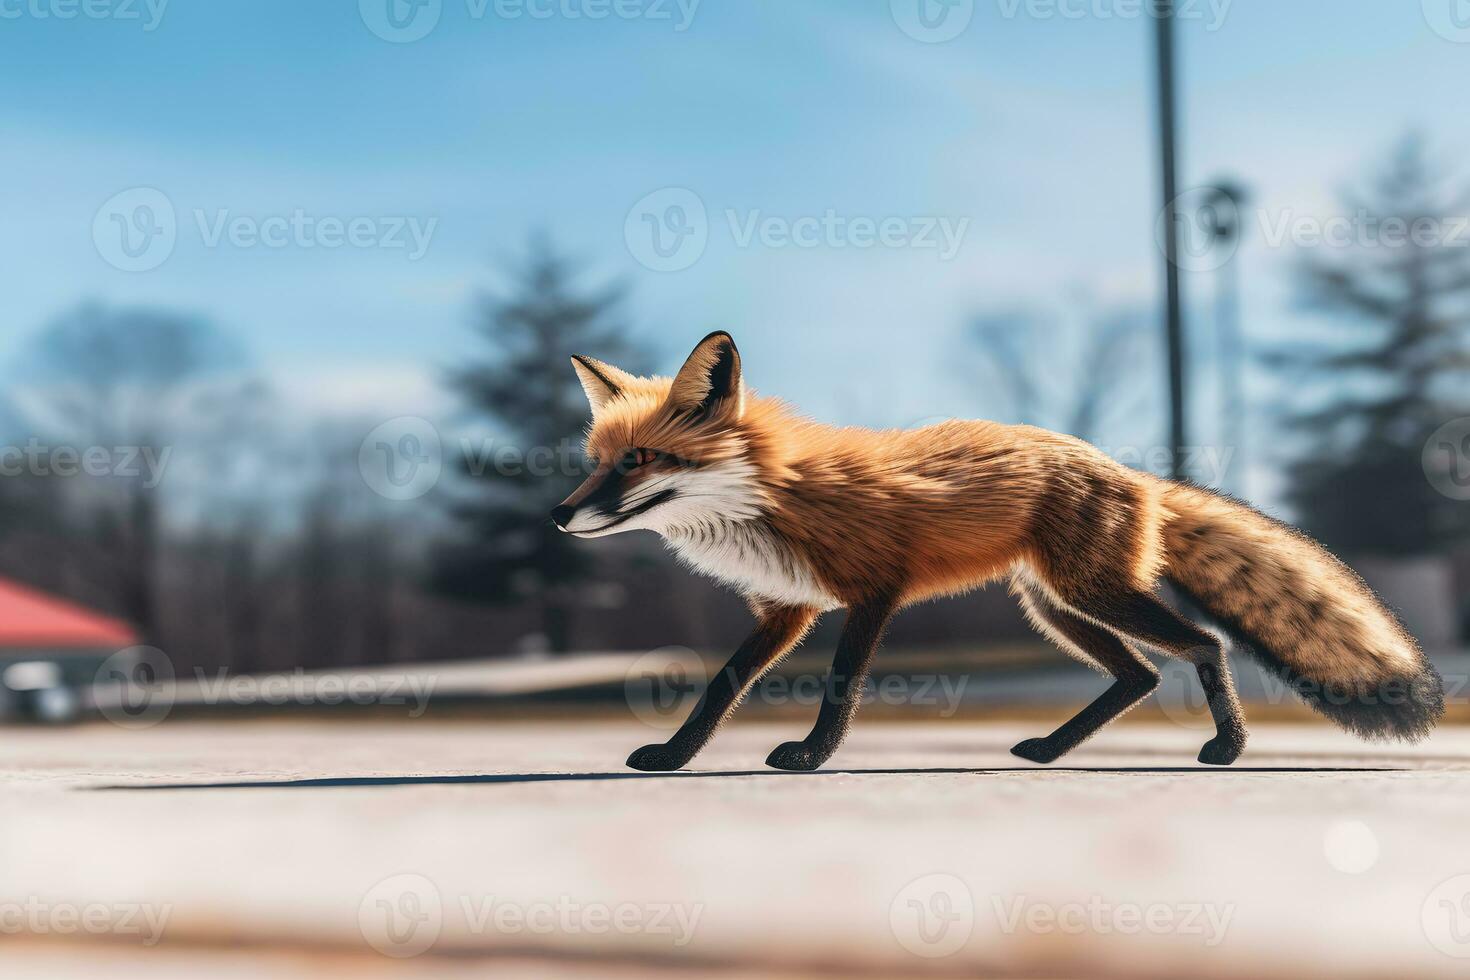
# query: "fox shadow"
508 778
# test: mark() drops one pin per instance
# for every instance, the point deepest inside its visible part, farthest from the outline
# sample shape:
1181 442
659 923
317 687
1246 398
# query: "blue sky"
1033 127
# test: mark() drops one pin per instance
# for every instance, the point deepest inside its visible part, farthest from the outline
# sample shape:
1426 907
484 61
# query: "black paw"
1221 750
795 757
1037 750
657 758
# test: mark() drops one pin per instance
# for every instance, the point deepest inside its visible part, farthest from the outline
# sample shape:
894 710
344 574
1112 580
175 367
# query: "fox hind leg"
1135 677
1145 618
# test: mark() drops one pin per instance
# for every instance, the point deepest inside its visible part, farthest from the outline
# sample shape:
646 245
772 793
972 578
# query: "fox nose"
561 514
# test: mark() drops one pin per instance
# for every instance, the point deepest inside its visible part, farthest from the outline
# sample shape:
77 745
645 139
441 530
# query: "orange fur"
811 516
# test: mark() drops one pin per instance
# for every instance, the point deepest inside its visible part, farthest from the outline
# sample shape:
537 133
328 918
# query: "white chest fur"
745 555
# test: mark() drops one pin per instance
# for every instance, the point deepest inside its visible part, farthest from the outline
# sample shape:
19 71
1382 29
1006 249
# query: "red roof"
33 619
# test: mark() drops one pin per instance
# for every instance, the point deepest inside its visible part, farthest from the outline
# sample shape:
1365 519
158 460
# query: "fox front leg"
779 629
860 637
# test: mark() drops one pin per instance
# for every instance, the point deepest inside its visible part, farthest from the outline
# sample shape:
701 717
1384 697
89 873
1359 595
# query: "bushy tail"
1303 614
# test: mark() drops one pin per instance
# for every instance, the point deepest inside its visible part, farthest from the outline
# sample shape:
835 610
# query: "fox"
803 518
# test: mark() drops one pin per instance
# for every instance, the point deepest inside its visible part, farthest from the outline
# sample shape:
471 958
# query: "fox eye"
642 457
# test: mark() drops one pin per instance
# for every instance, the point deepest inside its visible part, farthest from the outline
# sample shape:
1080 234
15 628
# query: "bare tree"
126 382
1036 371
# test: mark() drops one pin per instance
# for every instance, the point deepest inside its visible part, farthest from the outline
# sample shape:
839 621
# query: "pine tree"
507 549
1391 371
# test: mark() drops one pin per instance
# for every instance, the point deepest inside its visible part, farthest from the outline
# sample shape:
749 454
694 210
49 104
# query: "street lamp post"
1163 11
1224 218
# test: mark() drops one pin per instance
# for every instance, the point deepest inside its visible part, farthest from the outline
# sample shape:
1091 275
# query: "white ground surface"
448 849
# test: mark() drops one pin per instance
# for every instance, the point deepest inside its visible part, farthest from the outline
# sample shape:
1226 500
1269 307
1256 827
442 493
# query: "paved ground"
440 848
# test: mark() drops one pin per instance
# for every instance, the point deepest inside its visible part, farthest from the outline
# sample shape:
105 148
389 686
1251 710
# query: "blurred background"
299 678
289 291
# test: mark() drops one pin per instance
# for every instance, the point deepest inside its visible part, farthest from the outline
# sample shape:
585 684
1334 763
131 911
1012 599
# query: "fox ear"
600 381
710 381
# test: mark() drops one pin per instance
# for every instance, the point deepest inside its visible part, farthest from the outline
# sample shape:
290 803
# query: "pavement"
443 848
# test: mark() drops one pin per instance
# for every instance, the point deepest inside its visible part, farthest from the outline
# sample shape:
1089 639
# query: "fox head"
669 455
